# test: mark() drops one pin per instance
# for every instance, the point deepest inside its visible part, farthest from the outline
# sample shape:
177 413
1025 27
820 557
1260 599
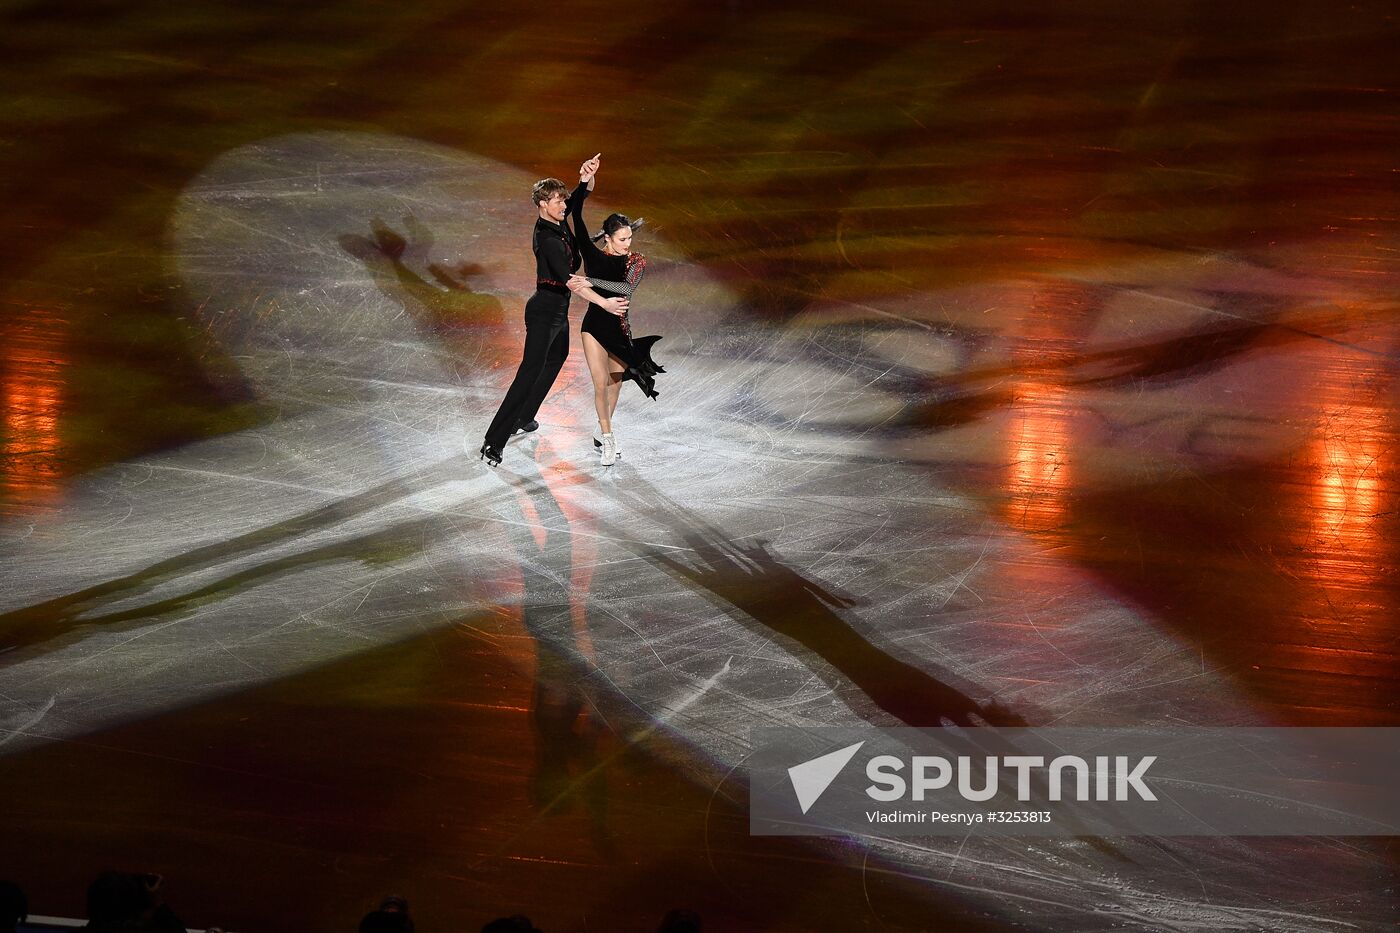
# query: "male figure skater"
546 313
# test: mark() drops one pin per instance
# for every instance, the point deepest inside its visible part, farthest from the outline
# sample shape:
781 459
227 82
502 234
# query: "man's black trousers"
546 348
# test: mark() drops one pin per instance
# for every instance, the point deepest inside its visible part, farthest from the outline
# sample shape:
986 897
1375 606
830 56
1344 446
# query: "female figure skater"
613 354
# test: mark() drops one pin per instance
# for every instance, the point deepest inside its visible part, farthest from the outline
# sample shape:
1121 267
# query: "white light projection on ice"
748 563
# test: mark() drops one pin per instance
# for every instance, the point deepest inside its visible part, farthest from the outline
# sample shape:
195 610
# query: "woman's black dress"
615 276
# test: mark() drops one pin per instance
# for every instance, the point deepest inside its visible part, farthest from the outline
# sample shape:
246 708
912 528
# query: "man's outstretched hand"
587 170
579 285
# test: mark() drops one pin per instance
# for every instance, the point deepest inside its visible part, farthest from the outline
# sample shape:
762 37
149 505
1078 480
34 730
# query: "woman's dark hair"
616 222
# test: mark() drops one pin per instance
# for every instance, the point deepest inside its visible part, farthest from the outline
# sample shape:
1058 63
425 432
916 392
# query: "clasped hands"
588 169
579 285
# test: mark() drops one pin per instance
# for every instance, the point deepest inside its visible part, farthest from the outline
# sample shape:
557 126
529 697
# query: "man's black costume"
546 331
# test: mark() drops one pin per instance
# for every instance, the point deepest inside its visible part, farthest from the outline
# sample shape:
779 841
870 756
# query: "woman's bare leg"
615 371
600 370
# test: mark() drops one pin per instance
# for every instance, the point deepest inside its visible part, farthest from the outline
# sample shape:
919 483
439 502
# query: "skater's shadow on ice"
767 596
63 620
445 304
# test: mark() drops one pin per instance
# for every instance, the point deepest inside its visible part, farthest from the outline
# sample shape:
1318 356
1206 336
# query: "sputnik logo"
811 778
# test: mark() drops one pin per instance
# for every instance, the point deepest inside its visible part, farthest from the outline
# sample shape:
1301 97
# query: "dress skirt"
634 353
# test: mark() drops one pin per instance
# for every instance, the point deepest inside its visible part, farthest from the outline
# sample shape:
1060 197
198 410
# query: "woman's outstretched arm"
576 213
622 288
586 173
636 268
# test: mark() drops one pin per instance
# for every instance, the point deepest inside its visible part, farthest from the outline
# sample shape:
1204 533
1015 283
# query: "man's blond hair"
547 188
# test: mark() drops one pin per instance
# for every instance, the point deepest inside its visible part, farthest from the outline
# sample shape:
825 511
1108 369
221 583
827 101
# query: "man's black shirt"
556 254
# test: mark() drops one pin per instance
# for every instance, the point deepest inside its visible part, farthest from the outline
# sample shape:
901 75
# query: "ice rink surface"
913 466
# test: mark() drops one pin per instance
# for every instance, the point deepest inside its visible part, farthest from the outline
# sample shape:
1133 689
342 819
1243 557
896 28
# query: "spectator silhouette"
680 921
14 906
516 924
121 901
391 917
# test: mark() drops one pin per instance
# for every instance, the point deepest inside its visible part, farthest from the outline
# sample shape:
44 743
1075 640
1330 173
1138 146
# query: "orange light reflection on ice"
562 480
32 392
1350 457
1039 465
1041 417
1345 536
